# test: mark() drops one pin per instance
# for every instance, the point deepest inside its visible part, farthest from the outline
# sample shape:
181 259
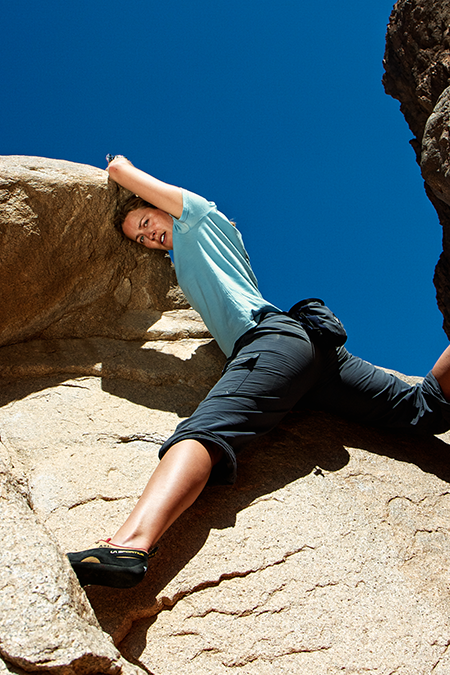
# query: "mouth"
163 236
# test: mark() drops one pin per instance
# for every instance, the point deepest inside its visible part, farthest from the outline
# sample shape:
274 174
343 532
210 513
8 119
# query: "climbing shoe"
110 565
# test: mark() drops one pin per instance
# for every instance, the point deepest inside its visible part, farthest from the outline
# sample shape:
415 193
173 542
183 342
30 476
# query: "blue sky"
273 110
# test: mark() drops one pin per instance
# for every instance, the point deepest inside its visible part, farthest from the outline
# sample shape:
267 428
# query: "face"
150 227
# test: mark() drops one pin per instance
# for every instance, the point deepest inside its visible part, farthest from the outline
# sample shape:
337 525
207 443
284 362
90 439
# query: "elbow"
114 170
118 168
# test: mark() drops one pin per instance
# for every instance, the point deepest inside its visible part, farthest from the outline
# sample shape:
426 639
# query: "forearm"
164 196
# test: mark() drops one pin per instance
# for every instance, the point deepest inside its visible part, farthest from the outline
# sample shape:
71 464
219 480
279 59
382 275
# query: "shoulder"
202 215
195 207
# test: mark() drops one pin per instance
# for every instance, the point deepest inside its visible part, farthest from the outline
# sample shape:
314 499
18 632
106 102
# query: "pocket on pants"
235 374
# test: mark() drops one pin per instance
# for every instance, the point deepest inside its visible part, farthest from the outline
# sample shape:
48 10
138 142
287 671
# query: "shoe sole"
97 574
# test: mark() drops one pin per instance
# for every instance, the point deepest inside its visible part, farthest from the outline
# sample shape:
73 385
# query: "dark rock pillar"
417 73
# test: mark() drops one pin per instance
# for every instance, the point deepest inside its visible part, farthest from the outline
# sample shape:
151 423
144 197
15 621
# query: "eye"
141 240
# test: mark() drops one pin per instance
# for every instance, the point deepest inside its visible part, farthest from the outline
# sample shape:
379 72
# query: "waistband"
283 324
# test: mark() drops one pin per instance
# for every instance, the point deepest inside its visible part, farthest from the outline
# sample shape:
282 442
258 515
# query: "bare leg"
441 371
175 484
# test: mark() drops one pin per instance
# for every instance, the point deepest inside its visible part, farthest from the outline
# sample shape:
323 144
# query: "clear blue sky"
273 110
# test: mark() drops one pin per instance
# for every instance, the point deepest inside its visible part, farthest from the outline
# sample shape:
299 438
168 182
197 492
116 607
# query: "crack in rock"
271 659
445 650
167 604
327 585
95 499
170 604
147 438
237 614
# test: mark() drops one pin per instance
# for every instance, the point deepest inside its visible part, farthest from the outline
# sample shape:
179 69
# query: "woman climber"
273 367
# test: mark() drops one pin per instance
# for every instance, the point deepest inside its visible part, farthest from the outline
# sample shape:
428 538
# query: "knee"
214 450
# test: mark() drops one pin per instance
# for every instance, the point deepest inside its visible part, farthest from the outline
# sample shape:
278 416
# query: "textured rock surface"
435 158
417 59
330 555
417 64
45 620
64 271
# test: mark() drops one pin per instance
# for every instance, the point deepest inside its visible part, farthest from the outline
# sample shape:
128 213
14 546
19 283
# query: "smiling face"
150 227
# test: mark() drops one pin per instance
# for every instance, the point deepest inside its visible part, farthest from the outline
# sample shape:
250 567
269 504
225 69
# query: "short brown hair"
131 203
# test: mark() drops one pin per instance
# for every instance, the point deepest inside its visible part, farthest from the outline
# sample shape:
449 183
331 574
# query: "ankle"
135 548
135 543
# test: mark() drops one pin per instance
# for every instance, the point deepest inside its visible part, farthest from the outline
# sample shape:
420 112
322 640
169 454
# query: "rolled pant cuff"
225 471
432 389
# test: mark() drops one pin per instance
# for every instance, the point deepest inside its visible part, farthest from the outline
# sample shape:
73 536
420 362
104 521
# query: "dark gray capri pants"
275 368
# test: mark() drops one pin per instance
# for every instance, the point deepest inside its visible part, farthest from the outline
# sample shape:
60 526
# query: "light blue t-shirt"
213 270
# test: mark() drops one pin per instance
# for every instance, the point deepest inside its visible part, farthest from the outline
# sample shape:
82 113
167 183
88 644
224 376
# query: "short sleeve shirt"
213 270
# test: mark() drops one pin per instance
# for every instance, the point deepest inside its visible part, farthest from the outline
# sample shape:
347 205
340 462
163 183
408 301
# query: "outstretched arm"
166 197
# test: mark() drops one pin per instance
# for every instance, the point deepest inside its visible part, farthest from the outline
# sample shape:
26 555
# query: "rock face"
45 619
64 270
332 552
330 555
417 64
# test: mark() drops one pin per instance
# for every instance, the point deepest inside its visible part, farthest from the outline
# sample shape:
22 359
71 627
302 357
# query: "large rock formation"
64 270
46 621
332 552
417 64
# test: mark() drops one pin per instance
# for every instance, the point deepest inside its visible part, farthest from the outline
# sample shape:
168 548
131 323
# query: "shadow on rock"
128 369
163 381
265 466
307 443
